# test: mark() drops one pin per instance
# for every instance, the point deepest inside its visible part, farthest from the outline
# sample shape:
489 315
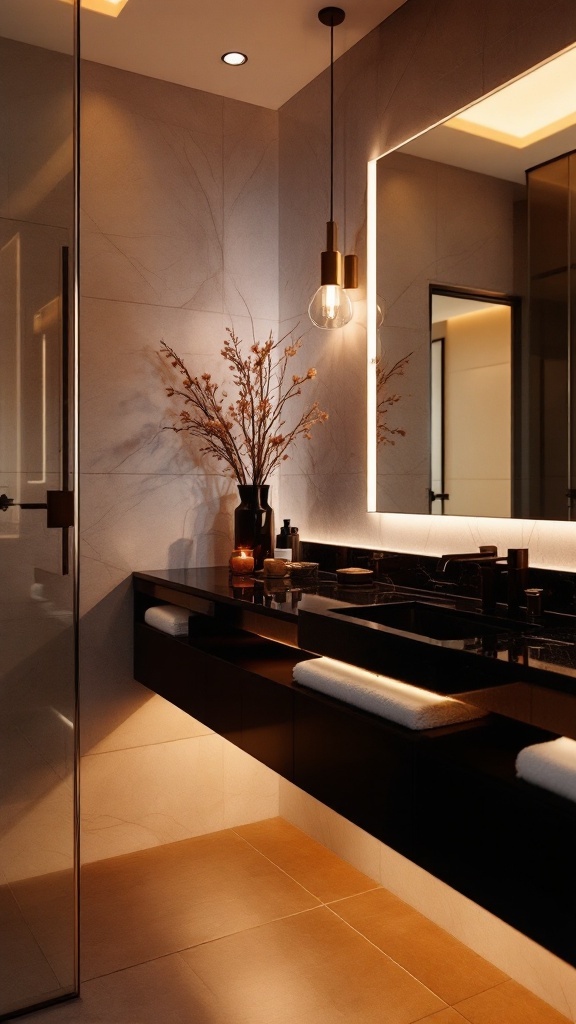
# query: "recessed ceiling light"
234 58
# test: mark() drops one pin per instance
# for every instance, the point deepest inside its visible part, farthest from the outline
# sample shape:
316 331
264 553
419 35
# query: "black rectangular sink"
436 622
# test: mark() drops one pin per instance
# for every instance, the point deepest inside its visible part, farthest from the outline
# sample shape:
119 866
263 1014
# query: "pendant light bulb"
330 307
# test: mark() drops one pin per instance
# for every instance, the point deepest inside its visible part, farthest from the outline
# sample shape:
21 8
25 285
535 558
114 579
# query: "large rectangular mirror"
473 359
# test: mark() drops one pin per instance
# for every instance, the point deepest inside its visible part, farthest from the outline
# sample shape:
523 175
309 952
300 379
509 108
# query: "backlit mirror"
472 359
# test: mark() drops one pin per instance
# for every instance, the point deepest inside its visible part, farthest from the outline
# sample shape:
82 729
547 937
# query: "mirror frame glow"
371 283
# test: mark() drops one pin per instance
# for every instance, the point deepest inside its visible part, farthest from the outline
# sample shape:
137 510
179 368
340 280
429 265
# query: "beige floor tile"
433 956
25 974
155 902
447 1016
312 865
48 906
308 968
164 991
508 1003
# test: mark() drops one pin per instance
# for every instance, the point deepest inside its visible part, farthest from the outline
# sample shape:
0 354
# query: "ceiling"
182 41
469 141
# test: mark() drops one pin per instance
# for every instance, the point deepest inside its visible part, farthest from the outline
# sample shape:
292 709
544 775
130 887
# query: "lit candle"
241 561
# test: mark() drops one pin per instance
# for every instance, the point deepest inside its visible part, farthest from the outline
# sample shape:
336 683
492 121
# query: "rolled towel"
551 765
400 702
169 618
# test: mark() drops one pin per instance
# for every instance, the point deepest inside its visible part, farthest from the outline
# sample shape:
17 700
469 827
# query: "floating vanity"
448 798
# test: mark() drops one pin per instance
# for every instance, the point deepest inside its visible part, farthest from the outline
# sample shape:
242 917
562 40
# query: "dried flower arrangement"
247 433
385 399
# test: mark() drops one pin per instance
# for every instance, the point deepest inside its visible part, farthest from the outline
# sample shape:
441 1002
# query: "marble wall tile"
152 203
162 792
250 160
151 98
177 185
123 374
251 790
154 721
137 521
517 37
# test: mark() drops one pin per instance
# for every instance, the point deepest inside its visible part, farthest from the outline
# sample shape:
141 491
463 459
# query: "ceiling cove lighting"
234 58
540 102
330 306
110 7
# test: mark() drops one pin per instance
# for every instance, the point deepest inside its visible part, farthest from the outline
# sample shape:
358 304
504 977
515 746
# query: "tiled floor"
261 925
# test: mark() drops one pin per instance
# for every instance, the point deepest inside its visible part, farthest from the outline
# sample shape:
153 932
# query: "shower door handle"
59 507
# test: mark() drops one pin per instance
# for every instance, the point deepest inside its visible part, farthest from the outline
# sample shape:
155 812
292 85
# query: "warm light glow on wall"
371 331
111 7
531 108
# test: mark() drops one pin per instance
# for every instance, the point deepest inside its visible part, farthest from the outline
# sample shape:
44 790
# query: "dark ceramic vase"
254 522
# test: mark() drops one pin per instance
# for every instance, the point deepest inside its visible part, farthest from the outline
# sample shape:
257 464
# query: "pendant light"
330 306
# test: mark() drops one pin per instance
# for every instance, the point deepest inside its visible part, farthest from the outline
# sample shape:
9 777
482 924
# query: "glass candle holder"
241 561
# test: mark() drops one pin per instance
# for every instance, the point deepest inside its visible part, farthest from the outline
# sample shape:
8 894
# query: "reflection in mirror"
38 677
479 208
470 383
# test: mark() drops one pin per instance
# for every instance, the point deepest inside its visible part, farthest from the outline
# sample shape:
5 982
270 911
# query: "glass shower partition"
38 550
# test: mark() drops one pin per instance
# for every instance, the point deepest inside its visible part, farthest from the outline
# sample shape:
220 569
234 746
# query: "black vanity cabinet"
446 798
235 682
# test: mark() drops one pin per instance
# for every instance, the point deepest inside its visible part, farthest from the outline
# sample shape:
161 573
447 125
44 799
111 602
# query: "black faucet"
514 565
485 553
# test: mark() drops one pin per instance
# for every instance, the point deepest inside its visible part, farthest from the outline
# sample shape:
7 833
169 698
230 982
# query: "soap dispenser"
287 542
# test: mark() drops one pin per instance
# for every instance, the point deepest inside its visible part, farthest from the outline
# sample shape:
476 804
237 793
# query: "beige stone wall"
178 241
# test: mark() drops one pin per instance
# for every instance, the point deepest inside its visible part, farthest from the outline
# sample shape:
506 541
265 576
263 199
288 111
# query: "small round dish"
302 570
354 577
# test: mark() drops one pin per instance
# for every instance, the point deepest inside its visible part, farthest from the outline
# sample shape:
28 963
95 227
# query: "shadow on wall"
180 553
108 692
109 695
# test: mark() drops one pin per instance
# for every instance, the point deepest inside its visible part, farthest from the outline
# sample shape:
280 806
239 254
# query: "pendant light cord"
332 121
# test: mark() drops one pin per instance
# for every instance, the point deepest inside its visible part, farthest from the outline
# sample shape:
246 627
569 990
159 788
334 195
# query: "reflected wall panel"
38 678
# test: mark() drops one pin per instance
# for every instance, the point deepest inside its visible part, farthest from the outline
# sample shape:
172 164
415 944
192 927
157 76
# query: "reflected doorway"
471 398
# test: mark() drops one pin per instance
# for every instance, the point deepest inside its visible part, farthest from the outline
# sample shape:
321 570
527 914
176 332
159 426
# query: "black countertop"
529 676
547 648
268 595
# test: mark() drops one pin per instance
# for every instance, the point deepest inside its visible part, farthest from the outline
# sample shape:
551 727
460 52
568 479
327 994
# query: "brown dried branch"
250 433
386 398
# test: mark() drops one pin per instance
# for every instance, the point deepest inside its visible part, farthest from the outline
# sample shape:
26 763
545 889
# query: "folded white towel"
551 765
169 618
402 703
